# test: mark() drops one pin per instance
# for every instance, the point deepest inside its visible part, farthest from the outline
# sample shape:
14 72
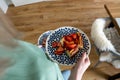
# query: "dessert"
70 44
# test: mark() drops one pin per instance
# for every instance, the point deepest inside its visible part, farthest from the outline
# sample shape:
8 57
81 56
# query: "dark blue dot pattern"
57 35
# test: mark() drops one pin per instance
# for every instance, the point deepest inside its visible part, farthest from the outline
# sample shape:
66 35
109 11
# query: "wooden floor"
37 18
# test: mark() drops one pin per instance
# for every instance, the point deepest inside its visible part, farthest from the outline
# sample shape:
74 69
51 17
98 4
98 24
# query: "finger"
87 60
83 56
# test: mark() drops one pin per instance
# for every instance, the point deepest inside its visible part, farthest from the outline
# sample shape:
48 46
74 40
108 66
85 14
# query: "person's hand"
82 64
80 67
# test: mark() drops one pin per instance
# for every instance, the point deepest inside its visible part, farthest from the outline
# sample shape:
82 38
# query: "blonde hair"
7 33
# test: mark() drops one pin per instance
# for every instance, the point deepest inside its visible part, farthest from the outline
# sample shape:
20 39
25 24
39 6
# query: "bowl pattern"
42 37
64 59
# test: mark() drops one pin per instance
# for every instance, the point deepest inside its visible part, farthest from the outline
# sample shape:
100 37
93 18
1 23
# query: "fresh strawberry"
54 44
59 44
76 41
59 51
71 46
68 38
74 35
68 43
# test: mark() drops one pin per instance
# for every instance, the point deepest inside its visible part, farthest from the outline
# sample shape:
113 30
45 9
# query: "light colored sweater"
28 62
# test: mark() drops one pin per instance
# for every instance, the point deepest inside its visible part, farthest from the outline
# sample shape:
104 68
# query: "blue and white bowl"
42 37
57 35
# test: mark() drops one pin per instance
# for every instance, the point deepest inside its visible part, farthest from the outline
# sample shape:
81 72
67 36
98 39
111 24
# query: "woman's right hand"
80 67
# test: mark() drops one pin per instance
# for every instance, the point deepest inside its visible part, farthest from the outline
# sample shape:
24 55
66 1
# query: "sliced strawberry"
54 44
76 41
68 42
59 51
59 44
68 38
74 35
71 46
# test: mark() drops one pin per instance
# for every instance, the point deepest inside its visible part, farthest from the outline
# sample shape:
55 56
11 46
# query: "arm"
79 69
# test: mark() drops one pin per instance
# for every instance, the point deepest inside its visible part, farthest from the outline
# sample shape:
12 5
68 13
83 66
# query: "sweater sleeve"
29 62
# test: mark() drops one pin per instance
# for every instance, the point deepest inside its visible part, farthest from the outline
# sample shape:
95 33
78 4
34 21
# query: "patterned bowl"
64 59
42 37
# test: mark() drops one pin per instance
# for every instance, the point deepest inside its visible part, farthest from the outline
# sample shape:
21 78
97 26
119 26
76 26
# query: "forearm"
80 67
75 75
